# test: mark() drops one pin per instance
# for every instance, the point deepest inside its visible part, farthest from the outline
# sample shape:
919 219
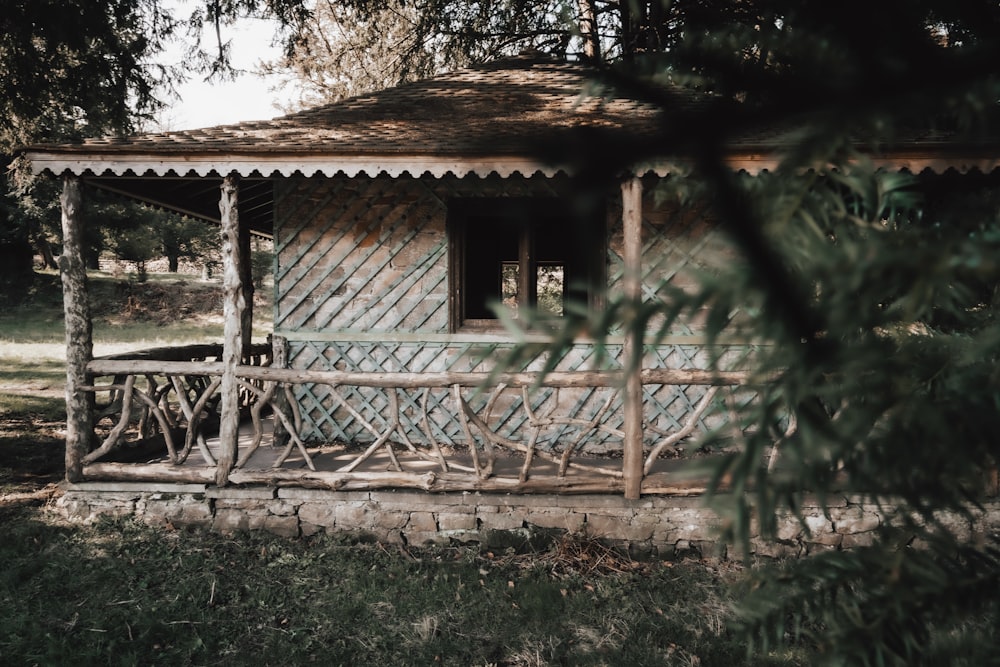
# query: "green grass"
121 593
166 309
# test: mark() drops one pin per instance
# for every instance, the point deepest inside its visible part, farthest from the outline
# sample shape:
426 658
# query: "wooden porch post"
246 285
233 305
79 331
632 284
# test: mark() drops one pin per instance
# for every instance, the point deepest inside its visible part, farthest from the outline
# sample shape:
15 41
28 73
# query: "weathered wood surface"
192 388
632 288
233 306
79 333
561 470
147 472
434 482
428 468
175 353
279 356
439 380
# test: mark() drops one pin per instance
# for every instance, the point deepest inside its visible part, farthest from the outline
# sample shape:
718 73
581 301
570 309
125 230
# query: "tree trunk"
232 311
45 251
588 30
629 29
79 332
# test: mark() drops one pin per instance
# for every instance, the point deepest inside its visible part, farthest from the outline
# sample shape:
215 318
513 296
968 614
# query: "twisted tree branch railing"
187 397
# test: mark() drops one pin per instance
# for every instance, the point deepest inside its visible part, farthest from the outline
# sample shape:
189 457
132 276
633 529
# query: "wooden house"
397 219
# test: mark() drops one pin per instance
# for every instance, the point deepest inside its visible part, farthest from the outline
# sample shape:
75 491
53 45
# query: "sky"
220 103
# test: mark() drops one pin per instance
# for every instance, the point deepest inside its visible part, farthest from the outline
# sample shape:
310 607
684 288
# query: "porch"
163 407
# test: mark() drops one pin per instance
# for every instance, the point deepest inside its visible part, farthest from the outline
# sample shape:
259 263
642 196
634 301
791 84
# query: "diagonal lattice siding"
667 407
362 285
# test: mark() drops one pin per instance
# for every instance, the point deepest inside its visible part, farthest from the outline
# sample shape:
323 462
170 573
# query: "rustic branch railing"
180 396
155 399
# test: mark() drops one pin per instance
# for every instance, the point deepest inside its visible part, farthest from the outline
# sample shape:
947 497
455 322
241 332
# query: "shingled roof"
486 118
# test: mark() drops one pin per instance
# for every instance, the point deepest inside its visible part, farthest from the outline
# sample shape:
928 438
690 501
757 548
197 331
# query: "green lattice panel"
677 243
667 407
370 254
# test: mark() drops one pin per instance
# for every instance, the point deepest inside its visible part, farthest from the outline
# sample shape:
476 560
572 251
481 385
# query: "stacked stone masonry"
659 525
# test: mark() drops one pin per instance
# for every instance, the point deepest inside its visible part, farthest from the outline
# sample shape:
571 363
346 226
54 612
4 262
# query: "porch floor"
596 474
333 457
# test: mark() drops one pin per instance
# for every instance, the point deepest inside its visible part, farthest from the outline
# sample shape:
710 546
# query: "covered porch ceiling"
197 197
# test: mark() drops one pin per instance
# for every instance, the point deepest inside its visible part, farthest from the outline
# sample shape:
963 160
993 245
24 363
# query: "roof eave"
916 157
207 164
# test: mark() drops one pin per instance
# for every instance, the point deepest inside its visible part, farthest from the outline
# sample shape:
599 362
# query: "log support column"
79 331
632 456
233 307
279 359
246 285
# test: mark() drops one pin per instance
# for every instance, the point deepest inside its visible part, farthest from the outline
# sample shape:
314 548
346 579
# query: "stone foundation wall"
657 525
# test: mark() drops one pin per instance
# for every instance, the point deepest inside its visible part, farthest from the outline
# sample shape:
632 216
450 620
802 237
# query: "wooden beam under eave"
79 331
632 454
233 306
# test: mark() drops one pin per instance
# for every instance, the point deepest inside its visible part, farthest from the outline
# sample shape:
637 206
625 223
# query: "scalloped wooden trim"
266 166
914 159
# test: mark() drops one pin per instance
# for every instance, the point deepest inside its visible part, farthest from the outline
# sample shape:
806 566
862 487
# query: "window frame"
587 245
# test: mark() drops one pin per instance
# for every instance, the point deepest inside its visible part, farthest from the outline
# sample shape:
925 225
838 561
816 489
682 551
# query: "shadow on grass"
36 410
49 371
149 596
30 462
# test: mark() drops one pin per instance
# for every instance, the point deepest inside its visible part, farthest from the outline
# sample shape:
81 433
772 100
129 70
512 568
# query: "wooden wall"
362 284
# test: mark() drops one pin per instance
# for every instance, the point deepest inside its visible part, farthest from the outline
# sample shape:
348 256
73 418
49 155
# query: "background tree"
180 238
870 294
130 239
76 68
349 48
68 69
139 234
261 262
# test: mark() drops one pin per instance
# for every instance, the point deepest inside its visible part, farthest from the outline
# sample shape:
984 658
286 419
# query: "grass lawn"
121 593
126 594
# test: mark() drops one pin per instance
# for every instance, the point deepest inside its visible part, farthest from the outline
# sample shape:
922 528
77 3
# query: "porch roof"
484 119
494 118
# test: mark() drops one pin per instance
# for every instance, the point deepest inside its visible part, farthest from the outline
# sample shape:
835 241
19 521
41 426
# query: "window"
535 252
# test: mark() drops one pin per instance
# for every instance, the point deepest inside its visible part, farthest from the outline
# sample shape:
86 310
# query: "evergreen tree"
870 295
